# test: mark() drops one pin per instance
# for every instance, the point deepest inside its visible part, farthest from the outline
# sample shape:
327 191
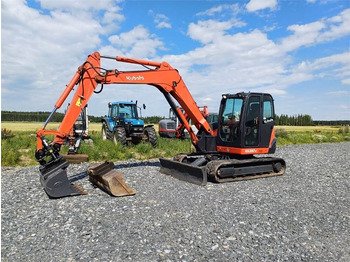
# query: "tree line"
283 120
296 120
57 117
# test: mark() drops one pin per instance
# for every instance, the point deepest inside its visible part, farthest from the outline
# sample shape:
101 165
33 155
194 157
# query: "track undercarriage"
215 167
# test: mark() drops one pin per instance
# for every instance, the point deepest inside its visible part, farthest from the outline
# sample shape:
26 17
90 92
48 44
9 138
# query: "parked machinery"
122 124
172 127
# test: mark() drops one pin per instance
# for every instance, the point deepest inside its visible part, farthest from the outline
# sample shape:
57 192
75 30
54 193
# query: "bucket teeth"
82 191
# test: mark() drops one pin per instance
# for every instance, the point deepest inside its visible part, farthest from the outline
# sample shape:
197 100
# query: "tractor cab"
124 113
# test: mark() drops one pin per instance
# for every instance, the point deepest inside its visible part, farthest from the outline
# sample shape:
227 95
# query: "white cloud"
39 42
40 57
162 21
303 35
256 5
332 67
106 12
78 5
207 31
339 93
338 26
138 42
222 11
231 9
346 81
324 30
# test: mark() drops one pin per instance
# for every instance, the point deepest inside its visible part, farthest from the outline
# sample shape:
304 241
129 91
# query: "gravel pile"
303 215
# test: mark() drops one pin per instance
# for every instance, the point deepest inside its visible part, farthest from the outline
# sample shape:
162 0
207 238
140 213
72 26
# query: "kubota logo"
134 78
250 151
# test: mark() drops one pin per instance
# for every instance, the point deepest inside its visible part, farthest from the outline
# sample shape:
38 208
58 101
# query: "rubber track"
214 166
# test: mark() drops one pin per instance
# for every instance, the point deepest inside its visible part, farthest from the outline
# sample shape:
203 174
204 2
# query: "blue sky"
299 51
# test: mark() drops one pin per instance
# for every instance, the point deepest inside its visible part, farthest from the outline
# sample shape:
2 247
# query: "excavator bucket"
189 173
55 181
106 177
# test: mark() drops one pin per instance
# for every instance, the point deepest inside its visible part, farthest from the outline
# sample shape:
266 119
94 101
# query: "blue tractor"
122 125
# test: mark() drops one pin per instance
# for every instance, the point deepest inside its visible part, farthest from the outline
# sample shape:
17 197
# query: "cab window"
268 110
230 119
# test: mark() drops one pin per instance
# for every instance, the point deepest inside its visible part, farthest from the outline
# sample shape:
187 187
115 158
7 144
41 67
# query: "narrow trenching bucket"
106 177
55 181
189 173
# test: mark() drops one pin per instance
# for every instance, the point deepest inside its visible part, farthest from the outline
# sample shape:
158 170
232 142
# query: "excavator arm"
165 78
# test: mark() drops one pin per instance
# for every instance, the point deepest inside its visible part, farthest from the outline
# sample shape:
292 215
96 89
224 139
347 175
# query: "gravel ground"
303 215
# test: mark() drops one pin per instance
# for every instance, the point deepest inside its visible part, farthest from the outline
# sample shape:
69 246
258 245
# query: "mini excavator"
225 151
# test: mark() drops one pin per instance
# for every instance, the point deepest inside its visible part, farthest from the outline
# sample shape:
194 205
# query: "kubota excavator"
224 150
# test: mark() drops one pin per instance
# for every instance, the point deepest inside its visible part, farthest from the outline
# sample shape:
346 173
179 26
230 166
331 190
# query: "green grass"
18 147
311 137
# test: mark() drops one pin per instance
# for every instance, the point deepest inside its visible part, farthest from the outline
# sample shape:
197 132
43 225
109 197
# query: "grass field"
309 128
33 126
18 142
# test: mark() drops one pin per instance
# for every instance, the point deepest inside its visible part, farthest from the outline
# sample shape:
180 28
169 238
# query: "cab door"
268 120
229 119
252 121
259 121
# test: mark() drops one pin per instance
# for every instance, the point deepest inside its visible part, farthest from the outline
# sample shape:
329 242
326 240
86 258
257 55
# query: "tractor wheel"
104 131
120 136
151 136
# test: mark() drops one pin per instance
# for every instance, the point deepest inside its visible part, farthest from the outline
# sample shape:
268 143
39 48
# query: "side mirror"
144 106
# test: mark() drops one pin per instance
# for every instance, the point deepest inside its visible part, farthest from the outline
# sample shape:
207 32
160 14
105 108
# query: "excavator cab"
246 120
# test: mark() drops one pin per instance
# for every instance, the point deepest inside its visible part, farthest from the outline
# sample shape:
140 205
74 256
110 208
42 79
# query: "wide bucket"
55 181
106 177
189 173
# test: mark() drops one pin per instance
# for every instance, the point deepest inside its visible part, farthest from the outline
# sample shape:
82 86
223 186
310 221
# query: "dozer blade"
55 181
189 173
107 178
76 158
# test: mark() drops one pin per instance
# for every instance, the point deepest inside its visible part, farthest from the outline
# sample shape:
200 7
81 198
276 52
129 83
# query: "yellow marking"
78 103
